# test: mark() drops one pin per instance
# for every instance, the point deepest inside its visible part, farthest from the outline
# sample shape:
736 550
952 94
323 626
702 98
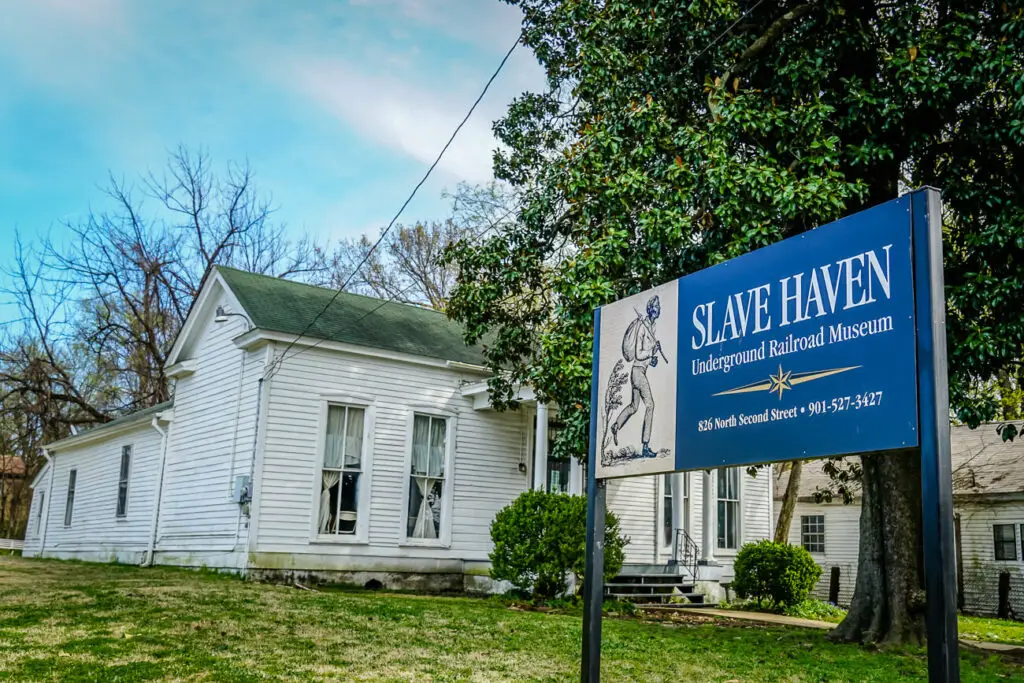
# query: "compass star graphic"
780 382
784 381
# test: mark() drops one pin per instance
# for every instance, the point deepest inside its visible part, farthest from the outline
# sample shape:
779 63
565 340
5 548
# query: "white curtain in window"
335 445
425 527
354 438
428 455
330 479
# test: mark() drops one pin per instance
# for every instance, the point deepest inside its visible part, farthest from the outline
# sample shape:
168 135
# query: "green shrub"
540 539
778 573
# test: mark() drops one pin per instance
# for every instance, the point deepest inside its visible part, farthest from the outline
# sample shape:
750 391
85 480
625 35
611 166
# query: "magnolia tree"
673 136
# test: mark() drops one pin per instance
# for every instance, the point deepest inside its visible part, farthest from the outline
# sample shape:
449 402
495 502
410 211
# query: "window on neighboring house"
812 533
342 471
728 508
69 505
39 512
122 481
558 468
666 510
1005 541
427 477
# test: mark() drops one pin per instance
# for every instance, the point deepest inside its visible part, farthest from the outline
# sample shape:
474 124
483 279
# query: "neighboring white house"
363 448
988 496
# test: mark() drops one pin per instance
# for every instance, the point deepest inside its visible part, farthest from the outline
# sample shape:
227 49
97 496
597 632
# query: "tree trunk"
789 502
888 599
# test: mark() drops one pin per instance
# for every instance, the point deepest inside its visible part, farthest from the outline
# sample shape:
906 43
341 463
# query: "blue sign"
802 349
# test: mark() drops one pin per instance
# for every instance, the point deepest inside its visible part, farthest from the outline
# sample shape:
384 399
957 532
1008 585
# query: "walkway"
1014 651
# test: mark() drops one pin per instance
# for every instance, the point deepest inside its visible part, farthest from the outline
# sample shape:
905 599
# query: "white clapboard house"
988 498
367 450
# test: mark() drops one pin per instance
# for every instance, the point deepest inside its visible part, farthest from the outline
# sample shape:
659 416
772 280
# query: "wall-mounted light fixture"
223 314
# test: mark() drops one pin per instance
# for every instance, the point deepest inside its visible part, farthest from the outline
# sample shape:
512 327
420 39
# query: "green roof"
285 306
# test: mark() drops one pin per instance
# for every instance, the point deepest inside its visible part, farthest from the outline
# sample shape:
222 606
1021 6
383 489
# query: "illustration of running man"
641 347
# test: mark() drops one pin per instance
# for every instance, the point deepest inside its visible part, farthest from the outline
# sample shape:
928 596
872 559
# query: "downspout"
256 461
148 560
47 501
238 415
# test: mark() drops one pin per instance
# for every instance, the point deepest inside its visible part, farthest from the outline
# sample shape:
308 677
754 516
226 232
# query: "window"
666 510
558 468
39 512
69 506
1005 541
122 481
427 477
812 533
728 508
342 472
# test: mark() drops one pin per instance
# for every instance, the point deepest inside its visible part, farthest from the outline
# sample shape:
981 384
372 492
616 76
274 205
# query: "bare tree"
405 267
136 268
99 310
409 264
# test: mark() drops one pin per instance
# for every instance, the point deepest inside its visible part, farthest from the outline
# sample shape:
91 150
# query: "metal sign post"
828 343
936 470
593 570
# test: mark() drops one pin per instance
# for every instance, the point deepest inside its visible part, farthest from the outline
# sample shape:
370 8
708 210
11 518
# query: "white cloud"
406 117
485 23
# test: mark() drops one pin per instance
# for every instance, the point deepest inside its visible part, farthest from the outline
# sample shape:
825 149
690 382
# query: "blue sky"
339 106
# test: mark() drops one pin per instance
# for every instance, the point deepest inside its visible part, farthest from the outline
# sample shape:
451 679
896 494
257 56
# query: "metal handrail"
687 553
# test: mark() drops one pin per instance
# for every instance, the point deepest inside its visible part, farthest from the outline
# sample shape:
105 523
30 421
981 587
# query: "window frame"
720 549
664 547
129 451
804 533
368 406
69 499
444 539
1013 545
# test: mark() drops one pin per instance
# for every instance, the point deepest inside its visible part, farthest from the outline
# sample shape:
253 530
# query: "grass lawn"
80 622
992 630
971 628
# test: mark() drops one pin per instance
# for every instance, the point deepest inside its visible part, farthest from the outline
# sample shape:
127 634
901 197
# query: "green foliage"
540 538
779 573
660 149
818 610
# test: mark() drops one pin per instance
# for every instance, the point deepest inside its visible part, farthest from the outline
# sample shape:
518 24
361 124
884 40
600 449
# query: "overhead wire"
408 200
392 298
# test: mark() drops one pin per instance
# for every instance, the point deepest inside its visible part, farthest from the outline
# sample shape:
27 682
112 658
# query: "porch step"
676 607
652 588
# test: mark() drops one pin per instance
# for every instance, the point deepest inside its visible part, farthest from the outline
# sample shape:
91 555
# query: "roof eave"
257 337
125 424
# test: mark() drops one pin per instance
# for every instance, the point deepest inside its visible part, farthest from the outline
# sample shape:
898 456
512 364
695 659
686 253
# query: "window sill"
424 543
338 540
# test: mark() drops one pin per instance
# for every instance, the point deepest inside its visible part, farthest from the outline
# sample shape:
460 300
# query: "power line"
409 199
391 298
482 233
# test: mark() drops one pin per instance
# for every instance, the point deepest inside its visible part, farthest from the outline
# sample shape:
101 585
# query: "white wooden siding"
95 531
636 501
34 534
488 449
981 569
208 448
842 539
